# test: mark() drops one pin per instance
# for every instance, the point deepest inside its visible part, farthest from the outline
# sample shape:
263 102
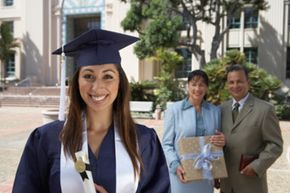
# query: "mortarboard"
93 47
96 46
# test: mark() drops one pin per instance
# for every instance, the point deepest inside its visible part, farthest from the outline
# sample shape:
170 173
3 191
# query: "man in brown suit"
254 132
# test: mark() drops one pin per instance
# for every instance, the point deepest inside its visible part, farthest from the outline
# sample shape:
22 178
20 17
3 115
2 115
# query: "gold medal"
80 166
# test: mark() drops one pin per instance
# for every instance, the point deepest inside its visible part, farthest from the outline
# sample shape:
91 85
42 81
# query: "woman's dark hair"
71 135
198 74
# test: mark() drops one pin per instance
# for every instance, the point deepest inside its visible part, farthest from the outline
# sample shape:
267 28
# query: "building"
43 25
37 26
263 36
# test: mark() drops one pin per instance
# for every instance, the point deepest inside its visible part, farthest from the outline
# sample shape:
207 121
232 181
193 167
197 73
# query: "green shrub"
283 111
169 87
143 91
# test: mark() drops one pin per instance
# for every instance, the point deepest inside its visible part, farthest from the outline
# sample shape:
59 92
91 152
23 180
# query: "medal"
80 166
83 168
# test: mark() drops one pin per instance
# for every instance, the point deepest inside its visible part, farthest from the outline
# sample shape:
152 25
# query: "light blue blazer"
180 121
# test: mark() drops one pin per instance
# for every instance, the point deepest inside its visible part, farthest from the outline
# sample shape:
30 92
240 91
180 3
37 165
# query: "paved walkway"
16 123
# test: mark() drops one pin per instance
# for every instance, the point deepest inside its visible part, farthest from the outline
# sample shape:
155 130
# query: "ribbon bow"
203 161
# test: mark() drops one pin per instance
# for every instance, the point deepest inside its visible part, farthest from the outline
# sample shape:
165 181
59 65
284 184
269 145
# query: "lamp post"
62 98
61 22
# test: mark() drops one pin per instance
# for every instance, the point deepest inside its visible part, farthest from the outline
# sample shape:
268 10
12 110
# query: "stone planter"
49 115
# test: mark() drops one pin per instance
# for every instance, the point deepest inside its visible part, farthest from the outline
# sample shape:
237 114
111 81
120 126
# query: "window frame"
251 17
186 67
10 66
11 25
8 3
234 21
288 64
251 54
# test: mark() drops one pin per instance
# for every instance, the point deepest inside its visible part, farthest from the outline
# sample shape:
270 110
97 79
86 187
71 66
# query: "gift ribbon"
203 160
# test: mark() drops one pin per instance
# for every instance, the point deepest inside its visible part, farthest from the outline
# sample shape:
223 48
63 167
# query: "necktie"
235 111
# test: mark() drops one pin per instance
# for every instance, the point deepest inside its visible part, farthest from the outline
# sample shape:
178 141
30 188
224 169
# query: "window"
235 20
251 17
8 2
10 66
288 63
78 24
183 69
185 22
251 55
82 24
10 25
250 20
288 16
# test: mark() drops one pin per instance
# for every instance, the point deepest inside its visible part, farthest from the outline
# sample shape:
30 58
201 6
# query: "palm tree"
7 43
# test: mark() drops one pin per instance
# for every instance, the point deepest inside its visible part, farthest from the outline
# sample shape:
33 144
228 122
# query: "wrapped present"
201 159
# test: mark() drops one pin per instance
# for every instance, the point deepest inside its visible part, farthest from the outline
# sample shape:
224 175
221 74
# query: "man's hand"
248 171
218 139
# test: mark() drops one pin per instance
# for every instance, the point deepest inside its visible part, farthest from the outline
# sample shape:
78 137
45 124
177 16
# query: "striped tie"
235 111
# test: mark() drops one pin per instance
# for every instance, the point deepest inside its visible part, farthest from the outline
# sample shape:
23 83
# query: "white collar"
241 102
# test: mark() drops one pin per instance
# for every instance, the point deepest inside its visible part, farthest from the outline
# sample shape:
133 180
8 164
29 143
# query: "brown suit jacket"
256 131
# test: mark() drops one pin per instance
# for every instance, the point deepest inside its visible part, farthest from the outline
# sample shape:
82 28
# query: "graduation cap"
94 47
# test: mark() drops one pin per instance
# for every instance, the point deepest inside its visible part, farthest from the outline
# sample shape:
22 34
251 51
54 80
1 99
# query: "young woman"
123 157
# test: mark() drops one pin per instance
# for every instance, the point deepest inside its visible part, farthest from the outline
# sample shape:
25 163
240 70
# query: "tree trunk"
216 40
199 57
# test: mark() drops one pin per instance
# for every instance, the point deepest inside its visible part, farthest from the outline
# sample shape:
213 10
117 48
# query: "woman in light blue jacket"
192 116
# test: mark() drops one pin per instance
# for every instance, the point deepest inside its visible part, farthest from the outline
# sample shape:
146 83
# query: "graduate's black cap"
96 47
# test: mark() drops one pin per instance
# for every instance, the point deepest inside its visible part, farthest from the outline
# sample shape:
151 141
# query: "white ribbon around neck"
71 181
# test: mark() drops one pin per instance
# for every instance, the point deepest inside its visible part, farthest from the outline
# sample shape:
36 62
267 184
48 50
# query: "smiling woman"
99 86
98 147
190 117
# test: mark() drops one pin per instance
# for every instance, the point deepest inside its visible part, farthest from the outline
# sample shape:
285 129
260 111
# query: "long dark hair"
71 135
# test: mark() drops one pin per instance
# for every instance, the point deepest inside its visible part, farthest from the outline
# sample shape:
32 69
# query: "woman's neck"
99 121
196 104
98 125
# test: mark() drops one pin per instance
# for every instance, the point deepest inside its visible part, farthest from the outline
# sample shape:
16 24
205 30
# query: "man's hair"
237 67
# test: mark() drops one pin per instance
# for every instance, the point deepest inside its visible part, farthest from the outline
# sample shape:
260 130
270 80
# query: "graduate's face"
98 85
237 84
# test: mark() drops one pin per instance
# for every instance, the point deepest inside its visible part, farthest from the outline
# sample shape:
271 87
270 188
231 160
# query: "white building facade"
38 29
41 26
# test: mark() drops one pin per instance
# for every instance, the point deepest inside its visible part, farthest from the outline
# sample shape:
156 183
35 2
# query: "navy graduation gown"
103 168
39 167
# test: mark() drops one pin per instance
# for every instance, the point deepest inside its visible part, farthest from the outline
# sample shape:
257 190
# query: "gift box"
201 159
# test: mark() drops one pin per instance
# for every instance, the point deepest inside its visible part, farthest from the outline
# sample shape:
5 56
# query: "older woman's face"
197 89
99 85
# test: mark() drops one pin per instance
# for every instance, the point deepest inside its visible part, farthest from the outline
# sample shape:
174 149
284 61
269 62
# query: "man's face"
237 84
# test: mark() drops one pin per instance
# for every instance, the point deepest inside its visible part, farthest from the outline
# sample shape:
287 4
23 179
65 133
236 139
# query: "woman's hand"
180 174
218 139
100 189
